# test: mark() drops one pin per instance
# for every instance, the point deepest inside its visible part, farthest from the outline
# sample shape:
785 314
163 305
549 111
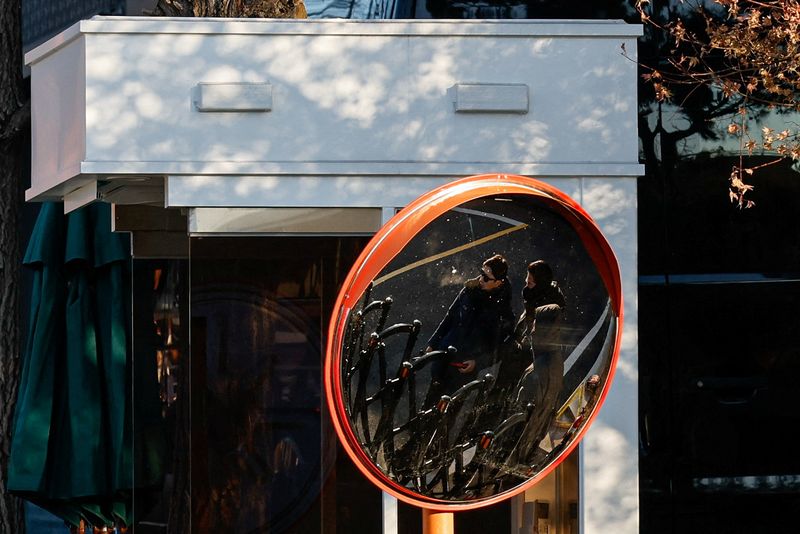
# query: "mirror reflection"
477 355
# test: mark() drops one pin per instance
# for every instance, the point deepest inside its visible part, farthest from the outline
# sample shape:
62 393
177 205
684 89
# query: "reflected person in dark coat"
539 328
478 321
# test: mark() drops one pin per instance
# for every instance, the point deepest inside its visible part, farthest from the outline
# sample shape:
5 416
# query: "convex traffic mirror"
473 341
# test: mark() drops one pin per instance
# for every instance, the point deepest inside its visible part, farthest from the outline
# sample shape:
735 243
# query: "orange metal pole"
437 522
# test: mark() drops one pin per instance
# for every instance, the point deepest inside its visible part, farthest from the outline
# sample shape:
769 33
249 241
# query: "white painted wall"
370 97
57 116
610 449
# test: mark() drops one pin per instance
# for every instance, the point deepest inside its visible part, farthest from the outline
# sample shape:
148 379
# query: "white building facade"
287 129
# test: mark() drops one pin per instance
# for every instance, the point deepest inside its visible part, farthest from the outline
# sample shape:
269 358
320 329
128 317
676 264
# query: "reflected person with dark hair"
544 303
477 322
539 328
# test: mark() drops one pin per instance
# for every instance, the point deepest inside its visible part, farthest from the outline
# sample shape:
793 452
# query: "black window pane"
708 234
718 407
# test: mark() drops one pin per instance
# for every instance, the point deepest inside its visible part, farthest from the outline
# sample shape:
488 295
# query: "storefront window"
264 457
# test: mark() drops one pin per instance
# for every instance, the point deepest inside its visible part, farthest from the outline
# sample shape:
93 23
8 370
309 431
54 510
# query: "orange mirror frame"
481 471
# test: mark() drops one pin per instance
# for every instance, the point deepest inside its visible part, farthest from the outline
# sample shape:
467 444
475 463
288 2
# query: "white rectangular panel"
491 98
233 97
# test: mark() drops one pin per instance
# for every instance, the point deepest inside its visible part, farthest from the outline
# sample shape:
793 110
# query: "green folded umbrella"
44 354
111 300
74 401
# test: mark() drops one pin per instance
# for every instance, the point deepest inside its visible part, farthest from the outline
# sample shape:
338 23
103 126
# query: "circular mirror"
473 341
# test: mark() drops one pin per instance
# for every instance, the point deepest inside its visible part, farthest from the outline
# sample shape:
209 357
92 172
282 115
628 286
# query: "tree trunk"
14 123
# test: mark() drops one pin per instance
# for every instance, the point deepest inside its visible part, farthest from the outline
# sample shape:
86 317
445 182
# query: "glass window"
264 457
718 415
717 347
161 395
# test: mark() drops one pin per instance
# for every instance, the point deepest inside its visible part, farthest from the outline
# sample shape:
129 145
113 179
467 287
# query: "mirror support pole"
389 505
388 502
434 522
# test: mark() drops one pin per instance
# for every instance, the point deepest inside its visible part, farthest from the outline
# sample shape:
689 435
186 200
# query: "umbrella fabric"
44 355
87 463
112 305
32 449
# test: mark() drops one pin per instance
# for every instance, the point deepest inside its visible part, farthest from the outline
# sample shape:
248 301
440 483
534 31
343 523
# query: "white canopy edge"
222 26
